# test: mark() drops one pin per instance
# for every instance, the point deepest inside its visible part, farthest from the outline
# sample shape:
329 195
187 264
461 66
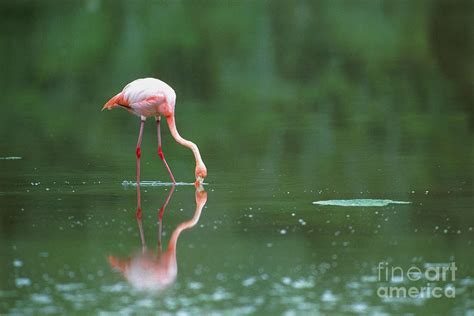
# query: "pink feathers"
145 97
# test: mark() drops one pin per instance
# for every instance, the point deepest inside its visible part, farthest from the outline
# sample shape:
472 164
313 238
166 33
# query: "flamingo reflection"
156 270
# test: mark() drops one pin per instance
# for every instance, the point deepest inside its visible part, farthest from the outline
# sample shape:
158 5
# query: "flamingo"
156 270
152 97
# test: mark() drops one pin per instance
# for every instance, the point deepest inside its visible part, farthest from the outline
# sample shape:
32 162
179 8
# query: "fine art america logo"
433 281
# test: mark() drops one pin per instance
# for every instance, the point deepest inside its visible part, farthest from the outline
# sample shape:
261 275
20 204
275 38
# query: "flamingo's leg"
160 151
138 153
160 217
140 229
163 207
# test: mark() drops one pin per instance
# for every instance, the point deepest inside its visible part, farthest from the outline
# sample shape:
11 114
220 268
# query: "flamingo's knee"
160 153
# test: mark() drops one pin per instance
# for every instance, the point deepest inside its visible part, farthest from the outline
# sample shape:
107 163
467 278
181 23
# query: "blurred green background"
376 68
289 102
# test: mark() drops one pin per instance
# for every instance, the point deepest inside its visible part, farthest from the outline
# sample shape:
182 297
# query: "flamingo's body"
152 97
145 97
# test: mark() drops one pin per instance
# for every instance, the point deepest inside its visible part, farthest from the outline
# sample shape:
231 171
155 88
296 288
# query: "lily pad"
360 202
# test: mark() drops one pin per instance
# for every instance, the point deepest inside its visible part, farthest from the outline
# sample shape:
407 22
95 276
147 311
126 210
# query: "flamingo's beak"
201 196
199 187
199 181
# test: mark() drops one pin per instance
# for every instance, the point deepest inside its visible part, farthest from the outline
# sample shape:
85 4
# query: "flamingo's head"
201 173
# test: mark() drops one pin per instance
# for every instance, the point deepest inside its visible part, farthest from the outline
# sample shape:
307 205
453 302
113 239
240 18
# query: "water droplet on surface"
286 280
249 281
21 282
41 298
328 297
195 285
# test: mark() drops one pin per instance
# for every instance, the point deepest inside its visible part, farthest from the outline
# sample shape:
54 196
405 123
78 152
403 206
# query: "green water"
339 112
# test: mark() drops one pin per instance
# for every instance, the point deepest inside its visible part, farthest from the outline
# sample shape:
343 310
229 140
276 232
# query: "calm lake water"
259 246
338 138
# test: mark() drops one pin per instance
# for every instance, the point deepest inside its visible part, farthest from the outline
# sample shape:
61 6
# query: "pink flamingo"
149 270
152 97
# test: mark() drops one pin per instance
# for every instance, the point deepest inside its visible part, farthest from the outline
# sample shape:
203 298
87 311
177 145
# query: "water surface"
260 246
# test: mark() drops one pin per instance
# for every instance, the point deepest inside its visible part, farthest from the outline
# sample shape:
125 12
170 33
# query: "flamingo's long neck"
184 142
201 199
